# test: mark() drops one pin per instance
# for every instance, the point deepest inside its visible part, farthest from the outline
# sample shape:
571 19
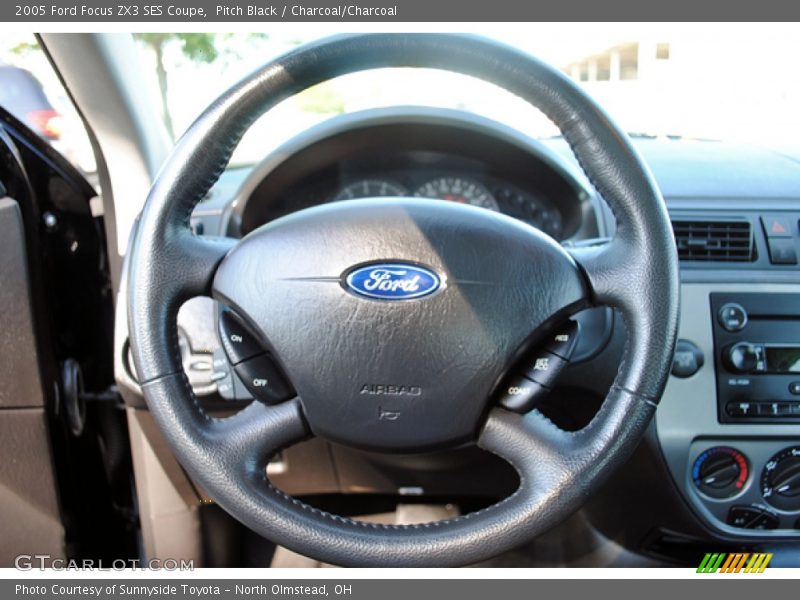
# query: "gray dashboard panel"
686 420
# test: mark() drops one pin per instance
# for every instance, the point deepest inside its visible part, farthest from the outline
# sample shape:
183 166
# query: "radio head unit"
757 357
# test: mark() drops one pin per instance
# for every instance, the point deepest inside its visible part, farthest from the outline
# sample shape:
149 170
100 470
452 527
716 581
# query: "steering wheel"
467 292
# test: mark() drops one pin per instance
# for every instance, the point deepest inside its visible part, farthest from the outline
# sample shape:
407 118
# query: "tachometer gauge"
528 207
458 189
370 188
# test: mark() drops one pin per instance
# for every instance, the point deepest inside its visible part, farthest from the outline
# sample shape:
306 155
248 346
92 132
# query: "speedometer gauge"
370 188
458 189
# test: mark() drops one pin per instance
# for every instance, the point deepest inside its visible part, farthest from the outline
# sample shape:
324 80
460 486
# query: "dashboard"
707 470
434 154
433 175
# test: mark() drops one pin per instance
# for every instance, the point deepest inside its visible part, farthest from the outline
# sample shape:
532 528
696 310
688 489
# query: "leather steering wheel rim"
636 273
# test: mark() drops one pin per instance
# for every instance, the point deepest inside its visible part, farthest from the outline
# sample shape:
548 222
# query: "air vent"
716 241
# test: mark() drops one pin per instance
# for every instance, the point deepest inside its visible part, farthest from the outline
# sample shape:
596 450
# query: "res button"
562 343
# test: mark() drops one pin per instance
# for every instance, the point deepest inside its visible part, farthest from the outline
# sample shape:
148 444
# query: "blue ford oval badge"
393 281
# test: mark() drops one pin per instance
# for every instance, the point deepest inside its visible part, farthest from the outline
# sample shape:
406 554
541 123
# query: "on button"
237 340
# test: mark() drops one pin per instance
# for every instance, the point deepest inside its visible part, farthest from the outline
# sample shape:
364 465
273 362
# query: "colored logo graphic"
393 281
734 563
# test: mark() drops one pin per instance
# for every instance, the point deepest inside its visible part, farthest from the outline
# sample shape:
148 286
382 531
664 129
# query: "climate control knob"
780 481
743 357
720 472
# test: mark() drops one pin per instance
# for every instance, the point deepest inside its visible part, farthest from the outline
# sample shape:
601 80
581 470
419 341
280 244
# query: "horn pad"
395 318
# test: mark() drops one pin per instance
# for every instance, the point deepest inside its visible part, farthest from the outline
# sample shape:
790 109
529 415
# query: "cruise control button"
263 379
521 394
563 341
237 340
544 367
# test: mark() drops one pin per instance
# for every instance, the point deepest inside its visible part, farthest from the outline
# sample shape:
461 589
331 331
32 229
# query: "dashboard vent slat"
714 241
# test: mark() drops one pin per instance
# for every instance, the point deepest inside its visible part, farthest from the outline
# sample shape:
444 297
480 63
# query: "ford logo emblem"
393 281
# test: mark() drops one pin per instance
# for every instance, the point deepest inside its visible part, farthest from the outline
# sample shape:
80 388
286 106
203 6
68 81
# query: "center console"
730 433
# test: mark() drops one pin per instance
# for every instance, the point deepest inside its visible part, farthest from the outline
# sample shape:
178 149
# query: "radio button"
732 317
774 409
741 409
745 357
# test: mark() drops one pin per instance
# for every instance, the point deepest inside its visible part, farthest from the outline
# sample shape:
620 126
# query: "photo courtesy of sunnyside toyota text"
399 298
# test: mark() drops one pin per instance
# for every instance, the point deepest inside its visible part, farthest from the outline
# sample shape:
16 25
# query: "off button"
263 380
732 317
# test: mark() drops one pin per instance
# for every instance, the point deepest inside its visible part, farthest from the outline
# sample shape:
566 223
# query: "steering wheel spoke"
198 265
548 457
607 268
184 266
247 440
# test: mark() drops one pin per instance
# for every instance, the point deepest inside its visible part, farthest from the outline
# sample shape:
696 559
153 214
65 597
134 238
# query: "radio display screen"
784 359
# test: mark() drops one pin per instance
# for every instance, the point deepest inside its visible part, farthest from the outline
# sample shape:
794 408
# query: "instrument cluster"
486 192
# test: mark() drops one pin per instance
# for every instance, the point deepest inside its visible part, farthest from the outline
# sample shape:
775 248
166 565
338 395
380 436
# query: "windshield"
720 82
702 81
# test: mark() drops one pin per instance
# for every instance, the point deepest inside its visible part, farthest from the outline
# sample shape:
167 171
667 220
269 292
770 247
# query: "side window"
31 91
